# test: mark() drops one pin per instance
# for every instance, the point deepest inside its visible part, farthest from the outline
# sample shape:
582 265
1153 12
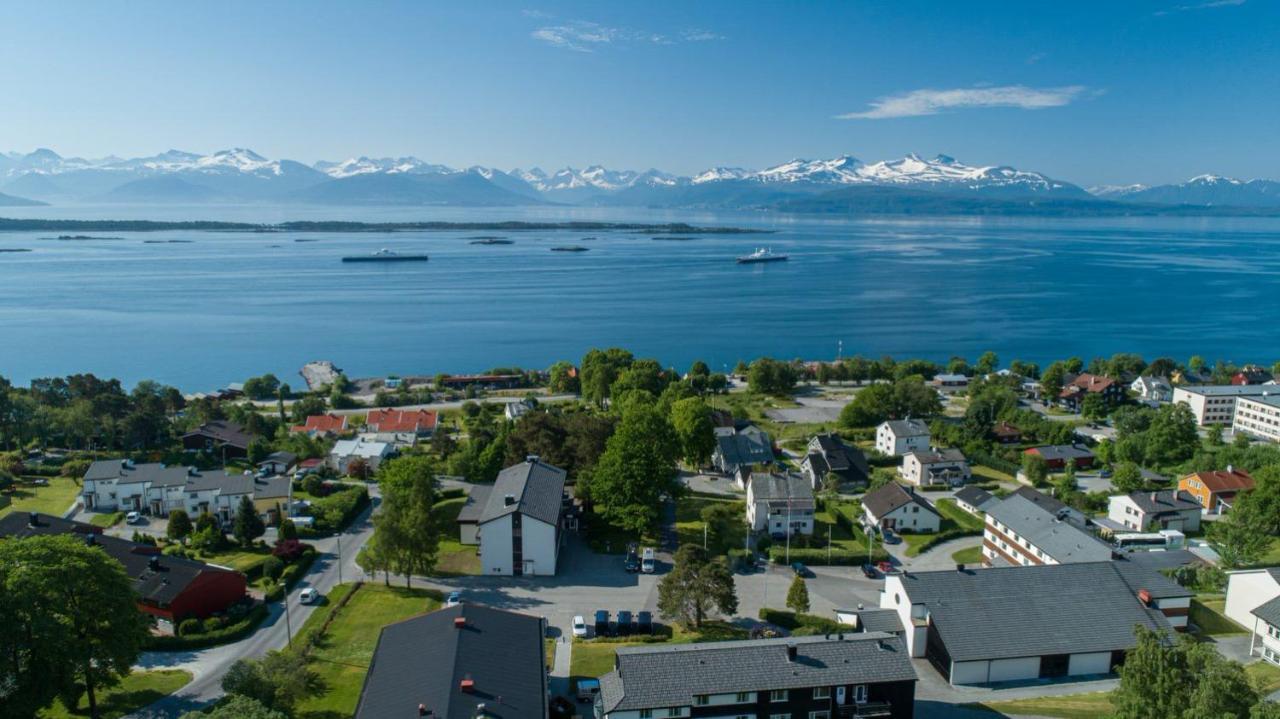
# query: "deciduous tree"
695 587
406 528
636 470
691 419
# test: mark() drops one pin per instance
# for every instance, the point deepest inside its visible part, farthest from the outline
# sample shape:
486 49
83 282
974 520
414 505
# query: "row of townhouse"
112 485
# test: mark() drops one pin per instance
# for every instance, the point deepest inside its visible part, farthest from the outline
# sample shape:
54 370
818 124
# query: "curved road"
208 666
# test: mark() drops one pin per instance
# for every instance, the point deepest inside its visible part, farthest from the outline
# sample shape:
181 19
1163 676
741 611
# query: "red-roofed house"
322 425
1074 392
1216 491
1251 374
394 421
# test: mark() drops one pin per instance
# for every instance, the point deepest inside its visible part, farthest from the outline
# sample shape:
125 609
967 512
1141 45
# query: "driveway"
812 410
711 484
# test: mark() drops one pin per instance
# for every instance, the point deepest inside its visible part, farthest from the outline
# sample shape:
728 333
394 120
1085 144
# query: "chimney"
1153 497
791 652
423 711
467 685
533 459
882 645
959 566
459 622
154 563
124 464
1231 469
191 471
508 500
1144 596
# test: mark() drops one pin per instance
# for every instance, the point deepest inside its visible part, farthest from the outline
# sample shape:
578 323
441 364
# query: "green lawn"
591 659
1265 676
1269 559
952 517
841 538
341 656
236 558
106 520
971 555
1070 706
985 472
1207 613
134 692
455 557
689 524
54 499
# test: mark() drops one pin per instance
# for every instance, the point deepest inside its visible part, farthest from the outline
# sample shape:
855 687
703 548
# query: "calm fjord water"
220 307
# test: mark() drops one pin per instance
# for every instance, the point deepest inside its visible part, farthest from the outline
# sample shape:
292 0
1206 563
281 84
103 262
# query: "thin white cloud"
1201 6
585 36
931 102
1036 57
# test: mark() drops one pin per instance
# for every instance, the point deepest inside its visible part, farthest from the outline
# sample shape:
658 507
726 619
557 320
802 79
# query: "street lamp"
288 623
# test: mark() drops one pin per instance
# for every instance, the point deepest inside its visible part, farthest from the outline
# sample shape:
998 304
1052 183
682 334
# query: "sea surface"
212 308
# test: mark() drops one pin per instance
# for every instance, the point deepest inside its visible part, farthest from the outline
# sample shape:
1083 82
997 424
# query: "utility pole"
288 624
704 536
828 545
339 557
788 529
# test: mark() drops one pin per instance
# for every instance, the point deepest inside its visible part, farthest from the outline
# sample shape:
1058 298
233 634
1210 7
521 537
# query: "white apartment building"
1259 416
900 436
1216 404
1253 602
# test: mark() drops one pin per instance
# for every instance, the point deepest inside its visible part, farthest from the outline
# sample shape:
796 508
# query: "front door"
840 695
528 567
860 694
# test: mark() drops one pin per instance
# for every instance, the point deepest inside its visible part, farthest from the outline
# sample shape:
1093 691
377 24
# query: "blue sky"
1089 92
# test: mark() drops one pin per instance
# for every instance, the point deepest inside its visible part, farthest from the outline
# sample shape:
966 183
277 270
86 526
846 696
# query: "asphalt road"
208 666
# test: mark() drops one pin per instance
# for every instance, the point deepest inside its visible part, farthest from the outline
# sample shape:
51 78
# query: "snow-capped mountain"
391 165
1204 190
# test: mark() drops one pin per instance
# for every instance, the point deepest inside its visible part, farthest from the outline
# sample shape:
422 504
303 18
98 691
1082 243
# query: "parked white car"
133 517
308 596
579 626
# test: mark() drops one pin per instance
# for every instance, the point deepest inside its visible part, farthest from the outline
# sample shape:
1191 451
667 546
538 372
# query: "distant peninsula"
675 228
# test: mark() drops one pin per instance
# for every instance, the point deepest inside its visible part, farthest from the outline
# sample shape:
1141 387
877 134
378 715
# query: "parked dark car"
778 536
644 623
1105 474
602 623
888 537
800 570
632 563
869 571
624 623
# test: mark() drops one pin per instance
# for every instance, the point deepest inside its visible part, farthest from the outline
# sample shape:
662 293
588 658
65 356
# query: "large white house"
1258 416
899 508
1216 404
1153 511
932 468
779 504
520 523
1253 602
346 450
896 437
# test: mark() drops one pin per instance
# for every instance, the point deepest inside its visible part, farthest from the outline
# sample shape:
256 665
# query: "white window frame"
822 692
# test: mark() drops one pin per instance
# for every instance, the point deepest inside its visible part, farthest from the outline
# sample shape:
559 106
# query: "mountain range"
840 184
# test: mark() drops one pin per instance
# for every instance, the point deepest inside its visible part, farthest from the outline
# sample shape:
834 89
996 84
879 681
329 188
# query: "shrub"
288 550
212 624
798 622
189 627
338 509
274 593
819 557
249 619
272 567
74 468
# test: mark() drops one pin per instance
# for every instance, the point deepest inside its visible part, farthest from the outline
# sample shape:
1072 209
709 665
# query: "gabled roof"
238 483
1007 612
770 487
126 472
1229 480
747 446
359 448
1268 612
907 427
975 496
1061 451
536 490
938 456
1086 382
221 431
323 424
1061 540
656 676
833 455
1169 500
424 661
477 498
875 620
1052 505
158 585
891 496
288 459
396 420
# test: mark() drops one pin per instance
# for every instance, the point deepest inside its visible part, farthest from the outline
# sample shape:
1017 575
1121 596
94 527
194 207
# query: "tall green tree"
1051 382
600 369
770 376
406 529
236 706
179 525
69 624
277 681
563 379
1036 469
987 363
691 419
248 525
695 587
798 596
1163 677
637 470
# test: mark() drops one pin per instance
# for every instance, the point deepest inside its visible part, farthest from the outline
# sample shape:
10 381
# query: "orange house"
1216 491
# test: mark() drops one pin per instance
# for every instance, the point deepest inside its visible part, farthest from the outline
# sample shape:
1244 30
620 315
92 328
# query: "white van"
647 558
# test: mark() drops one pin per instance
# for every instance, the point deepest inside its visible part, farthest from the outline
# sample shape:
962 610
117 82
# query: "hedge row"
945 535
334 512
819 556
997 463
792 621
225 635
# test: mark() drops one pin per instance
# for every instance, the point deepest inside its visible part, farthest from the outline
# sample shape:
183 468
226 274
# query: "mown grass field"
54 499
134 692
455 557
591 659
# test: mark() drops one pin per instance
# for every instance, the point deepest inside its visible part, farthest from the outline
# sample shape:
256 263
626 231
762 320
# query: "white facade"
110 495
889 442
1258 417
539 545
1247 590
1123 510
926 469
345 450
1216 404
910 517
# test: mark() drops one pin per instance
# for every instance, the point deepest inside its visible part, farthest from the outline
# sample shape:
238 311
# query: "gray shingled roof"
1007 612
477 498
537 488
908 427
222 431
1063 451
671 675
876 620
423 660
1268 612
1169 500
834 455
975 496
781 488
938 456
237 483
126 472
748 446
1061 540
889 497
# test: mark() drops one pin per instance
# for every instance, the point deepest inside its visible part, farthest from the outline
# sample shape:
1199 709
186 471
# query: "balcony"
866 709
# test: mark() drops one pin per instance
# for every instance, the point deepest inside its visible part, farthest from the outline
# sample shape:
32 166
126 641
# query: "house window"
675 712
860 694
702 700
1273 631
646 714
778 695
822 693
743 697
820 715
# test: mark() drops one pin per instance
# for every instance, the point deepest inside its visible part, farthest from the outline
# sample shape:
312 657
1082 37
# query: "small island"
491 241
570 248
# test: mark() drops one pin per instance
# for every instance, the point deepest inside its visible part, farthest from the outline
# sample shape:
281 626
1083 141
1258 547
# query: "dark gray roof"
536 487
665 676
477 498
1063 451
767 486
937 456
1169 500
974 496
908 427
889 497
1007 612
126 472
747 446
1268 612
159 586
833 455
876 620
1062 540
423 660
286 458
224 432
238 483
1052 505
